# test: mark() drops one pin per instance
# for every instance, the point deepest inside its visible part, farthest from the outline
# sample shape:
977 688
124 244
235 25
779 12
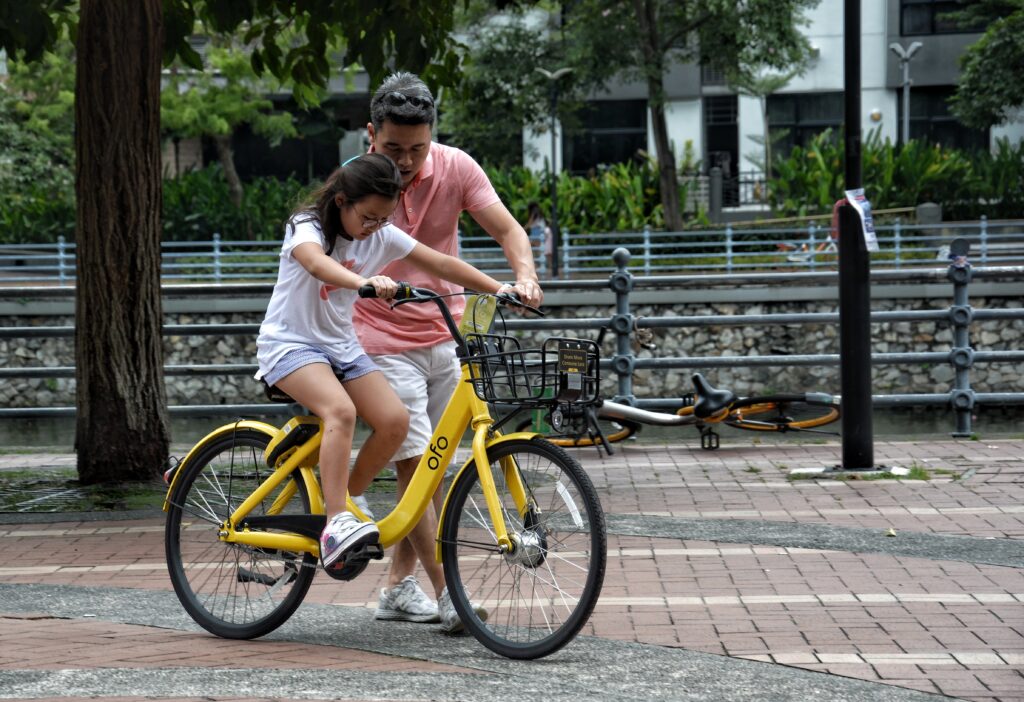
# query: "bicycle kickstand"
594 429
708 438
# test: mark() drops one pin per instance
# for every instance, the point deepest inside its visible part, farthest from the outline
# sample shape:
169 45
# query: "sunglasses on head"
396 99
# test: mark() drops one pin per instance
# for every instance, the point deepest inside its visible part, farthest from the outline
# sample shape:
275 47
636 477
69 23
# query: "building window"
712 75
932 17
932 121
610 131
803 116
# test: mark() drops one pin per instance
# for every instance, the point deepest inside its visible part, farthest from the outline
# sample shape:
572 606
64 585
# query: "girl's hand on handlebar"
383 286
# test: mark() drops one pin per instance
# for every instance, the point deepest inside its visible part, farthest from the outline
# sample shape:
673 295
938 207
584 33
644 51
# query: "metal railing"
962 356
728 250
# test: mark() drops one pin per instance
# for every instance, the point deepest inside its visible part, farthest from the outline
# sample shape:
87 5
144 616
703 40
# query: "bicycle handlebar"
408 293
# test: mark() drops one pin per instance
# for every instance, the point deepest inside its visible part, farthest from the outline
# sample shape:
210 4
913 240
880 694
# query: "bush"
966 185
197 205
622 197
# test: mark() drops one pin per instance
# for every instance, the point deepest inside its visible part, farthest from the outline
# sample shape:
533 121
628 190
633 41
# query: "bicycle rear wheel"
541 593
578 434
233 590
782 413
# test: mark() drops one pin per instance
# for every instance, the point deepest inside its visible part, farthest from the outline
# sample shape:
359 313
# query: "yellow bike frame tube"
432 466
515 484
481 425
299 458
215 434
471 465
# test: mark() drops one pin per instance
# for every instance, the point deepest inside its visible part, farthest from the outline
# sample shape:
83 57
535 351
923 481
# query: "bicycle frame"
465 410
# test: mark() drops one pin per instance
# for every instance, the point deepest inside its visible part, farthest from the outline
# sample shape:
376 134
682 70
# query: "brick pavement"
949 627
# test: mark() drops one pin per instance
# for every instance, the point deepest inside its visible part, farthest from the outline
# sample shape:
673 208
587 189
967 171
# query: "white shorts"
424 379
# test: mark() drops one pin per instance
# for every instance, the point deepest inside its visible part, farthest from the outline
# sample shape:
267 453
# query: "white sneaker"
450 621
406 602
344 532
364 506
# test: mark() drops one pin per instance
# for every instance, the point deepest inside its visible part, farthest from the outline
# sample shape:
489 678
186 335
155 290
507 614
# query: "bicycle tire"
614 431
232 590
541 594
782 413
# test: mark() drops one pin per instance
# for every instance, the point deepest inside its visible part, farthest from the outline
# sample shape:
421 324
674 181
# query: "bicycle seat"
710 400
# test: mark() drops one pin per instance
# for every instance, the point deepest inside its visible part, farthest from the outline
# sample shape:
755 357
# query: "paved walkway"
726 580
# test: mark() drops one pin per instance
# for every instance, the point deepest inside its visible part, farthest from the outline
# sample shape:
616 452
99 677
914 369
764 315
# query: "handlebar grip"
404 291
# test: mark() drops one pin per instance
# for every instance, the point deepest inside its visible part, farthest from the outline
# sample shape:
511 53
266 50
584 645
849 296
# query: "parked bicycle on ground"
521 531
609 422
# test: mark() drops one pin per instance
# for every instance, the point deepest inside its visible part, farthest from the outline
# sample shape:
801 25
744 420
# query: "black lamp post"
556 235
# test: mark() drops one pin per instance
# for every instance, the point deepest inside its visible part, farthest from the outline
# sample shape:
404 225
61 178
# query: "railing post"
566 252
61 263
897 228
812 258
216 257
728 248
647 249
961 356
623 362
983 238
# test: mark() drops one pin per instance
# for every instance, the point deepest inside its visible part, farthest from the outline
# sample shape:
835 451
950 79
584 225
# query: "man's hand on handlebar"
529 292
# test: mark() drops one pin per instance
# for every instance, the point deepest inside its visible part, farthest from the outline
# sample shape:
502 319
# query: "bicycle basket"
562 370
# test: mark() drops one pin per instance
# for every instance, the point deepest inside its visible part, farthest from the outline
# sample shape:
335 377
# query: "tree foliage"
643 39
121 427
990 90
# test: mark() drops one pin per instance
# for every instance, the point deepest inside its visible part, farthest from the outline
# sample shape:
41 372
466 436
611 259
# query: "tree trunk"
654 69
227 161
122 431
666 168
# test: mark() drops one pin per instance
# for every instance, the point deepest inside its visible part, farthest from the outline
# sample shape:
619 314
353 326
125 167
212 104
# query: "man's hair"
402 99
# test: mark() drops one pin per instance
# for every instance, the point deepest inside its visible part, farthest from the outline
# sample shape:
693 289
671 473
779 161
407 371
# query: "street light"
556 236
905 55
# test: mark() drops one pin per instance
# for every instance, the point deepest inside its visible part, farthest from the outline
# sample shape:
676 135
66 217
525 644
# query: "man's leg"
419 543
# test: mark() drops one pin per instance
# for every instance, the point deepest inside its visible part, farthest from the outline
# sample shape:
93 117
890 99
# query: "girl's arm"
327 270
452 269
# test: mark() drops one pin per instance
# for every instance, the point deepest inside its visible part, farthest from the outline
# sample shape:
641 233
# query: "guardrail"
728 250
962 356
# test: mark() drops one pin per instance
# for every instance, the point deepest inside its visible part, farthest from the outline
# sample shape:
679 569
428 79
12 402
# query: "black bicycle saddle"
710 400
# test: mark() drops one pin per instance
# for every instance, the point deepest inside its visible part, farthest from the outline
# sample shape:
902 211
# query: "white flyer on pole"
863 207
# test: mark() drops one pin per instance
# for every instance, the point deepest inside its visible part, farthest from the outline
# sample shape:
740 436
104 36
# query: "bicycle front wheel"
579 434
233 590
782 413
539 594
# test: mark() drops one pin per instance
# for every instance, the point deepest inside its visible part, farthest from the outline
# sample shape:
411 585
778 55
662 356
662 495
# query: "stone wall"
688 342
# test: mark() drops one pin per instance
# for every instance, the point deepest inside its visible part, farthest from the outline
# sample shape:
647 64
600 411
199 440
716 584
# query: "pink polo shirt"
449 183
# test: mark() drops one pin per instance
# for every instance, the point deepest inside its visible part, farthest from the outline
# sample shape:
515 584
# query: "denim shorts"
297 358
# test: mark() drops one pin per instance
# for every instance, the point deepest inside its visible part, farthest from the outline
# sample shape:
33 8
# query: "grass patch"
916 473
60 491
751 469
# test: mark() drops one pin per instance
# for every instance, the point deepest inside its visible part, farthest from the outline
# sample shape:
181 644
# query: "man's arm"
503 227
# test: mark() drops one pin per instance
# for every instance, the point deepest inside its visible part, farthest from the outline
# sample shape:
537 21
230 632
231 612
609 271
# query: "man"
410 344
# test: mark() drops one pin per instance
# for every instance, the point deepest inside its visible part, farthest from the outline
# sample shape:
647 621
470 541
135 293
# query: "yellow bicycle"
521 531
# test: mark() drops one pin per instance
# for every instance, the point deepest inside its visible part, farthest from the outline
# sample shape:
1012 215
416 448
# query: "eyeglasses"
370 224
396 99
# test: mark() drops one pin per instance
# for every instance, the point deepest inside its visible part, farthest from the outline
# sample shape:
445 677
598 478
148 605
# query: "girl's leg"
387 417
316 387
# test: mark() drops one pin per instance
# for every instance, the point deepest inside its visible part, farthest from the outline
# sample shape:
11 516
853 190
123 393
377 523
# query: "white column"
683 121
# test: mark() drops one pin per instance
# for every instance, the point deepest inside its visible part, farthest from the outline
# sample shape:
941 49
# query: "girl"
307 346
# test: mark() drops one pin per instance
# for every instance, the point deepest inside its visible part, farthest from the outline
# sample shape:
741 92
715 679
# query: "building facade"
725 129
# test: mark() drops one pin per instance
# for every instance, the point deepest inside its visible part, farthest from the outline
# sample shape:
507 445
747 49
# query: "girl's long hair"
369 174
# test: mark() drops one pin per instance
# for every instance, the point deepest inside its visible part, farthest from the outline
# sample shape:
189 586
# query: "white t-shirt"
304 311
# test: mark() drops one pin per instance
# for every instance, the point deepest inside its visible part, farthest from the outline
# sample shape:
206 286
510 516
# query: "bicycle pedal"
355 562
709 440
